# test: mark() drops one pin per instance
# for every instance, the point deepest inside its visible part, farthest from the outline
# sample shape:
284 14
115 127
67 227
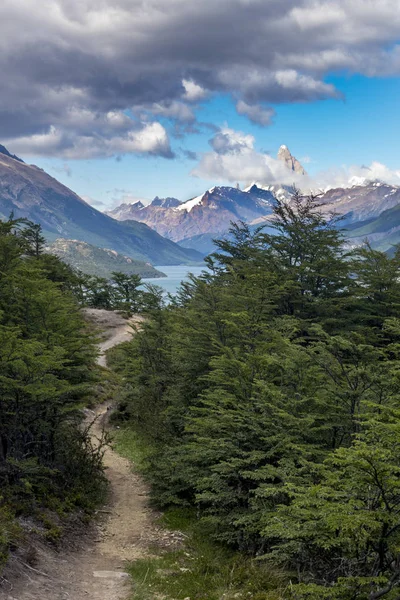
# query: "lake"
175 276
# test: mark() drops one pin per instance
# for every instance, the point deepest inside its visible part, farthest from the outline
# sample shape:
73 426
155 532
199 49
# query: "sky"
128 99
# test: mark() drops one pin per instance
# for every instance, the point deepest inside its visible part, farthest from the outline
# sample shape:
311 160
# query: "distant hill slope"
359 203
29 192
383 232
99 261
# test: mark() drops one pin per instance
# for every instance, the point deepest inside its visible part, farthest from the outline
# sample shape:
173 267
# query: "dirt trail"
95 571
116 329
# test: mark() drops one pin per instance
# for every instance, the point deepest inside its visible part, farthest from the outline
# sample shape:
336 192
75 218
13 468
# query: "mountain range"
196 222
171 232
29 192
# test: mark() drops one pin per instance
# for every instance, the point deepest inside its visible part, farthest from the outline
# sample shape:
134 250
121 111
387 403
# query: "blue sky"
361 128
112 97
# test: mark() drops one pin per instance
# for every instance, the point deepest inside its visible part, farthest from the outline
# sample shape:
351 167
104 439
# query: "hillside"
29 192
359 203
383 232
99 261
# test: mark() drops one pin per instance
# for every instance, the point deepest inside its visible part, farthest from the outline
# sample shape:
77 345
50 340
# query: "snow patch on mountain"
356 180
190 203
194 201
281 192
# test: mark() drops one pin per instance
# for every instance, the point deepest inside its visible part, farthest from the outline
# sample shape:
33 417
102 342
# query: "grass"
131 446
200 569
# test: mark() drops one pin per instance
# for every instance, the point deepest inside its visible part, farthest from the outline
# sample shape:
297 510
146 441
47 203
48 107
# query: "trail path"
95 570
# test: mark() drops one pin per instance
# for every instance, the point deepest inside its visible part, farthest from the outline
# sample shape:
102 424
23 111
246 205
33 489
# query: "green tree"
127 293
47 373
34 238
342 534
266 389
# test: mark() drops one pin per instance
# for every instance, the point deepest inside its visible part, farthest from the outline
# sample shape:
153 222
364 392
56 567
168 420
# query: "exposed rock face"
290 161
197 221
29 192
3 150
361 202
194 224
166 202
210 214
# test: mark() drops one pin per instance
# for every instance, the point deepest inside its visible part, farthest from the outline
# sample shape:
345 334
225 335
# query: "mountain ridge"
29 192
196 222
290 161
211 213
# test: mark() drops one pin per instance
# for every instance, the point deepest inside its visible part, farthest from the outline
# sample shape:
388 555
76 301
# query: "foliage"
270 391
47 373
203 570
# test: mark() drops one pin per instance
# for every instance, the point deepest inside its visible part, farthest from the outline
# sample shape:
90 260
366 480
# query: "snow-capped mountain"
362 201
281 192
209 214
197 221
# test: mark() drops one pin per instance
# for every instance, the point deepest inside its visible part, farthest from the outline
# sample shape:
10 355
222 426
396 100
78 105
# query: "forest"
51 471
268 390
49 467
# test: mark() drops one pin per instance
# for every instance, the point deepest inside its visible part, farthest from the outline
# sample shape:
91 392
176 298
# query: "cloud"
82 143
256 113
229 141
193 91
235 159
346 176
68 65
178 111
189 154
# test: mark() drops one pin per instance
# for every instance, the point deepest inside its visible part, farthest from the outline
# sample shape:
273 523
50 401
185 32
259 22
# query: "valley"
30 193
199 300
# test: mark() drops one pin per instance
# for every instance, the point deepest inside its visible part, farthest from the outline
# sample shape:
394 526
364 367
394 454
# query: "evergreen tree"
269 391
34 238
47 373
127 295
342 535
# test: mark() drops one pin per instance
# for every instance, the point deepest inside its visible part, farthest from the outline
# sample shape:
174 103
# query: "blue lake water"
175 276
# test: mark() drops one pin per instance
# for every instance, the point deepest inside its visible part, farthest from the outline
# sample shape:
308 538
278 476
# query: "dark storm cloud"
61 59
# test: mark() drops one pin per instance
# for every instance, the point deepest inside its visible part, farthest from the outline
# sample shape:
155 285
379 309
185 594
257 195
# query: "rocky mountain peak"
137 204
165 202
3 150
290 161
